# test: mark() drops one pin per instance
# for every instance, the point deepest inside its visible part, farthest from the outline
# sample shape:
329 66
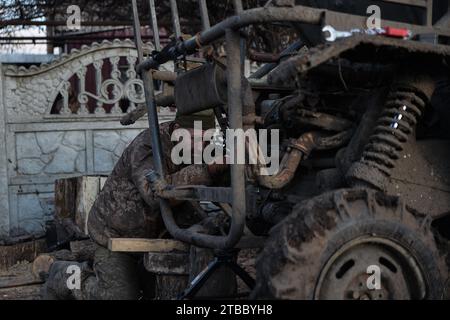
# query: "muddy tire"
323 249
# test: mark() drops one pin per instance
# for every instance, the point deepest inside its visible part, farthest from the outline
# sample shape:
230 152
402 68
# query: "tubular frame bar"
175 19
155 28
234 80
149 92
206 24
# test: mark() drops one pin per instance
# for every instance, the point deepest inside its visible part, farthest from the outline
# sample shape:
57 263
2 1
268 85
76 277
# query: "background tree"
269 38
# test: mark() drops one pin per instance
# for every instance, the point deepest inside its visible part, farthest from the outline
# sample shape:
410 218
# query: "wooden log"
74 198
88 189
146 245
41 265
65 198
171 272
167 263
81 251
43 262
168 287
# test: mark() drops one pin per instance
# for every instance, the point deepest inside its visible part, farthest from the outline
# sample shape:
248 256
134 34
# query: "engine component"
300 149
205 88
201 89
293 113
321 120
404 106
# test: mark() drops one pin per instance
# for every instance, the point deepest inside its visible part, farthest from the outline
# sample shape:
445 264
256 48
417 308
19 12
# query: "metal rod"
264 70
204 14
137 32
238 7
429 13
155 28
175 19
234 81
235 110
149 98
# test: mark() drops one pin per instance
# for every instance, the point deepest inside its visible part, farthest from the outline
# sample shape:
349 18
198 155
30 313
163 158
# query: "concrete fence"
61 120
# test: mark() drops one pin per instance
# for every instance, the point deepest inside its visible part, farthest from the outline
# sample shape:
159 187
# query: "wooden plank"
146 245
167 245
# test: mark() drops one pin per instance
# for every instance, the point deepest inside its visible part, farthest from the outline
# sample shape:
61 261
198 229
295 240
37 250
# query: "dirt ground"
20 273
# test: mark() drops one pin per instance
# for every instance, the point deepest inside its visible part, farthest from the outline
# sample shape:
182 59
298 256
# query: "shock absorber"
396 126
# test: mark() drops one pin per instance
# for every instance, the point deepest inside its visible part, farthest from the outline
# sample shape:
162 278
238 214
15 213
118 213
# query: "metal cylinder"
201 89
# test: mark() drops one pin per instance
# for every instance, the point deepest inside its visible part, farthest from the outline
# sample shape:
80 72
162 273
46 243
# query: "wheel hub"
349 275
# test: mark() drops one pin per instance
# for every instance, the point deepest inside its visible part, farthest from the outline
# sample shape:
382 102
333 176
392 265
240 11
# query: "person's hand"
155 184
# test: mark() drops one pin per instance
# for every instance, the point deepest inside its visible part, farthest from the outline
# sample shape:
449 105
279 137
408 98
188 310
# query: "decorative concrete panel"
34 211
42 153
109 146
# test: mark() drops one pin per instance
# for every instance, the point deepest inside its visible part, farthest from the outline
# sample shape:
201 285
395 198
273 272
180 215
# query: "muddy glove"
157 185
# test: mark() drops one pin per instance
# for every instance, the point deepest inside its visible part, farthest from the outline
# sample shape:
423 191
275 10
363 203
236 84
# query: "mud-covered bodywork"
418 176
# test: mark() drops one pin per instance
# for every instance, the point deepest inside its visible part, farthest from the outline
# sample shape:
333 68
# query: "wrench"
334 34
398 33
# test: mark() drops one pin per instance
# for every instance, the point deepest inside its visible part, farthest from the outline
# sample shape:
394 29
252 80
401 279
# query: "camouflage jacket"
126 207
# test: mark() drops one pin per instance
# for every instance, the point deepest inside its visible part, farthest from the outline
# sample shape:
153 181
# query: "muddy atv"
363 188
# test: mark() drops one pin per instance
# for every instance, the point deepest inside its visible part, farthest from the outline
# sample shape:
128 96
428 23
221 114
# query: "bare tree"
268 38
